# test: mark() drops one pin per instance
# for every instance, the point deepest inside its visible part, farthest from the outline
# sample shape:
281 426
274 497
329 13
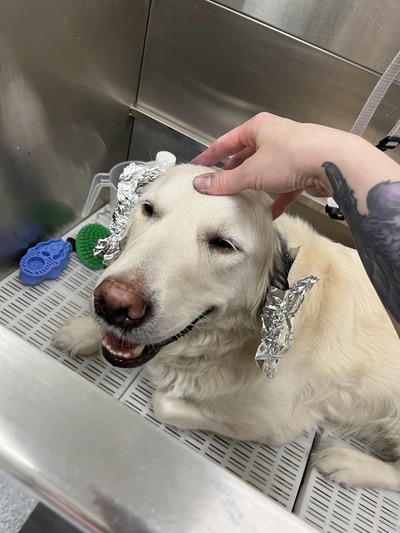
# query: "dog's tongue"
120 347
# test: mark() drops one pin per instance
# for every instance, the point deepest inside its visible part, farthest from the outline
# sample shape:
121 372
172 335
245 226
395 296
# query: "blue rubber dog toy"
46 260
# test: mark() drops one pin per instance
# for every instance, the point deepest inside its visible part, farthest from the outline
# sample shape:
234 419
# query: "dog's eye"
147 209
221 244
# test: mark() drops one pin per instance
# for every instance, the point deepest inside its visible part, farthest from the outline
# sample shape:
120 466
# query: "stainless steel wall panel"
364 31
68 72
207 68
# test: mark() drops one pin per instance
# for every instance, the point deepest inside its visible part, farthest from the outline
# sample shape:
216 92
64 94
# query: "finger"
228 144
239 158
283 201
233 142
226 182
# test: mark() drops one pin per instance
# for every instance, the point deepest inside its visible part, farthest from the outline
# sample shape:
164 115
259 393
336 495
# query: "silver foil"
277 319
132 182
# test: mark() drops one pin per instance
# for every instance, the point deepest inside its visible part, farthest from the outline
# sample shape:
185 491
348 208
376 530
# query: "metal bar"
104 468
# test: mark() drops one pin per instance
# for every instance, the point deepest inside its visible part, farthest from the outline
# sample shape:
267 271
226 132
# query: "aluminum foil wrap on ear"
131 185
277 319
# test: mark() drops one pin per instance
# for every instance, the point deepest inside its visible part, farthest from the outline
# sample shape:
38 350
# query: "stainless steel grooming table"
95 453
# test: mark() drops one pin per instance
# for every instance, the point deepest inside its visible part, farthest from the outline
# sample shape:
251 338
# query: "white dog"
185 296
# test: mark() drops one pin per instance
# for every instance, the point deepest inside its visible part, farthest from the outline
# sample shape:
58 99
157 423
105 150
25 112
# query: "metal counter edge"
106 469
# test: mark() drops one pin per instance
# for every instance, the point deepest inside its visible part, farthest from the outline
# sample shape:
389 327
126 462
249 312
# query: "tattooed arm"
376 234
282 156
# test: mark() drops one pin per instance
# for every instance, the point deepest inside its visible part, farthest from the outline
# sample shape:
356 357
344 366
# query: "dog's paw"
177 412
79 336
354 468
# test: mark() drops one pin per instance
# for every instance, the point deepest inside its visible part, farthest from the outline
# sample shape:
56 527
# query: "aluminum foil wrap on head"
131 185
277 319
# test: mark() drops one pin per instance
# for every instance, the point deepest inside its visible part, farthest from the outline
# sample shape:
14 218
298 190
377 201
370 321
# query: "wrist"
353 155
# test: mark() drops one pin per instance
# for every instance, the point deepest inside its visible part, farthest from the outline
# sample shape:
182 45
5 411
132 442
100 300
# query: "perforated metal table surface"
283 474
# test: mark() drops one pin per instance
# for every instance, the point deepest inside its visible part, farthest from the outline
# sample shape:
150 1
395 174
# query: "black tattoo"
376 234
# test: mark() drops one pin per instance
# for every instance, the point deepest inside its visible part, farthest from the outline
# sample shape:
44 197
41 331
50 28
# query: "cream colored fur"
343 367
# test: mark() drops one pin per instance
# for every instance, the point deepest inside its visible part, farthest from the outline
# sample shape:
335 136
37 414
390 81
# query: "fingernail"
203 183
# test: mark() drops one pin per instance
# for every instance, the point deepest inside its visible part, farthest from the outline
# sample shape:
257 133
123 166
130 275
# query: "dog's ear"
284 259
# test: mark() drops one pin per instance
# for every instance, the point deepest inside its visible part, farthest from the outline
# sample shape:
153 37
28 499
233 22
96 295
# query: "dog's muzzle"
119 351
124 307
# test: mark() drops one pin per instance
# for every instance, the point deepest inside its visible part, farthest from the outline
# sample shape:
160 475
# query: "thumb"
222 182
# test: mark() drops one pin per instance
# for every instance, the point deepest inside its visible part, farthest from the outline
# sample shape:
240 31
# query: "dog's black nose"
120 304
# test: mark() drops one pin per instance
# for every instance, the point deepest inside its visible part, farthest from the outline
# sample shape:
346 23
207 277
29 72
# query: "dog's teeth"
138 349
129 353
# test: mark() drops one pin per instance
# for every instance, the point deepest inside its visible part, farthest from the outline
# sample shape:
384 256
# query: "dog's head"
188 261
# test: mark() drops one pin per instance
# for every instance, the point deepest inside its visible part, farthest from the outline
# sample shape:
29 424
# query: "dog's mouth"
119 351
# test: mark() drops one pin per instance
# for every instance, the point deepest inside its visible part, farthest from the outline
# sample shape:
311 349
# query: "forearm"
366 186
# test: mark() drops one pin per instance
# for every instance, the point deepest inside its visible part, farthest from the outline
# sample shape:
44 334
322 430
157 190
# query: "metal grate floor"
37 312
332 508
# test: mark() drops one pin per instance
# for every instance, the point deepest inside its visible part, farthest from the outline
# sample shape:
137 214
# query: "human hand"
269 153
279 155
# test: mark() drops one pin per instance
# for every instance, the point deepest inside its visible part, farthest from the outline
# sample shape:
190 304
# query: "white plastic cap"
332 203
166 160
